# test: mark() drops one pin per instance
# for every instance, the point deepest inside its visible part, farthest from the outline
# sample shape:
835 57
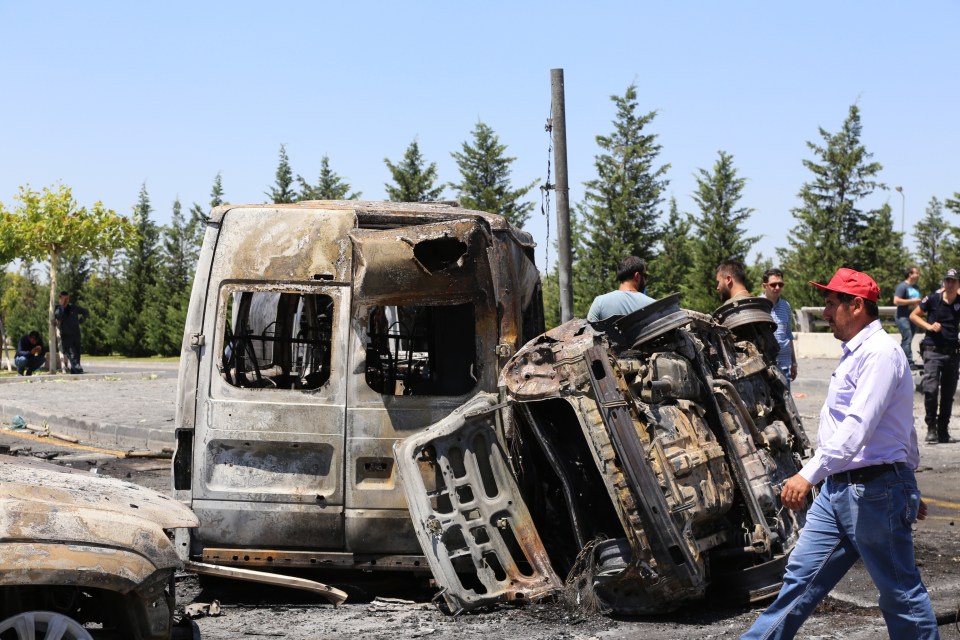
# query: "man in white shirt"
866 454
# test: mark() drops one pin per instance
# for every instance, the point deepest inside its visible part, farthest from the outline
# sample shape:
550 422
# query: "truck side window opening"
277 340
421 350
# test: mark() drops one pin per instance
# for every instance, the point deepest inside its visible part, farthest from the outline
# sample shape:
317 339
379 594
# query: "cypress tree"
668 272
282 191
485 177
718 231
413 179
330 186
830 220
618 216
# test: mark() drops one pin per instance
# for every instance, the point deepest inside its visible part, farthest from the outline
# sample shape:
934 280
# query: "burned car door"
478 538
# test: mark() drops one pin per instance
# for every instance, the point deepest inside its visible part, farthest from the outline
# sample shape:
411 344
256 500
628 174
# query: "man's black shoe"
947 440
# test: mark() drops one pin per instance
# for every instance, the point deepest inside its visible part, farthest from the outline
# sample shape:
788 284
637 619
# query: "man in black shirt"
30 354
941 355
68 317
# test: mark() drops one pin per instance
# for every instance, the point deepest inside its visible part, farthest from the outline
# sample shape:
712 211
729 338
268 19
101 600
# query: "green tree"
882 252
551 298
128 317
51 225
830 220
196 226
413 179
934 253
330 186
485 177
166 305
718 231
282 191
618 216
670 268
23 305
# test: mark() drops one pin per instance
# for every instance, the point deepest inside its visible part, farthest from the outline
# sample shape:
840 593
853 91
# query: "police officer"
941 355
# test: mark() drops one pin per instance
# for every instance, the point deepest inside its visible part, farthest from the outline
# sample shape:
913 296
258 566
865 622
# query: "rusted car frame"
653 445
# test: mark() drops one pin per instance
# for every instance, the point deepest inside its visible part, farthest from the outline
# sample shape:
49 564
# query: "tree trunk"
52 338
6 348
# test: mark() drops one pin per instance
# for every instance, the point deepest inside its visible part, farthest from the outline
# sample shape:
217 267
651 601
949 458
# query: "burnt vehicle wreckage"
83 556
368 386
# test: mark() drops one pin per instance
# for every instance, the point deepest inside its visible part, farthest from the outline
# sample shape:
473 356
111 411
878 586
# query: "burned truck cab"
318 335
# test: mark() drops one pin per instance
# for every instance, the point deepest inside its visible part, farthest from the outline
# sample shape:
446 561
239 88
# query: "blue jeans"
907 329
26 365
847 522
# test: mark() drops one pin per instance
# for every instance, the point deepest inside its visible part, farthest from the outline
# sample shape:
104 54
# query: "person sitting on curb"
30 354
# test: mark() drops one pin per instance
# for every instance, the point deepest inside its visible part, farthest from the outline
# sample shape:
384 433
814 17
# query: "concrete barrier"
824 345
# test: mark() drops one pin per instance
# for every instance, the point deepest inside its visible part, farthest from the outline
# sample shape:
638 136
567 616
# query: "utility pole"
564 259
903 211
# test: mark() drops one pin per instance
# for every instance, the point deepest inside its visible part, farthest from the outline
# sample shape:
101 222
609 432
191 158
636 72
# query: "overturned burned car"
637 463
84 557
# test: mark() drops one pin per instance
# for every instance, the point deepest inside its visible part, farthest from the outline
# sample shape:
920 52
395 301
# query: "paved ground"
131 406
126 405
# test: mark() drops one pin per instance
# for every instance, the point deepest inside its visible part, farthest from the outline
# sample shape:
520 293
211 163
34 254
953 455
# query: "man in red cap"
866 455
941 355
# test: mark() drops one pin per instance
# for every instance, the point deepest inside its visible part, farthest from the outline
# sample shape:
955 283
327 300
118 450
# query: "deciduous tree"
50 224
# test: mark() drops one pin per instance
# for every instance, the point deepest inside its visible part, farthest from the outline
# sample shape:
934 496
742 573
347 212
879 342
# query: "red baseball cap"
853 282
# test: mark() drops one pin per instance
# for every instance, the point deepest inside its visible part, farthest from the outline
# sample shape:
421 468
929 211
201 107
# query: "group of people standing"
867 446
938 314
32 354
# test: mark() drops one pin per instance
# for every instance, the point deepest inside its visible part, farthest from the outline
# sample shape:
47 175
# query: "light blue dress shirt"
868 416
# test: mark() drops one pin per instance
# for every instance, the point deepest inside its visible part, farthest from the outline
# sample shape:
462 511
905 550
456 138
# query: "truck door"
268 453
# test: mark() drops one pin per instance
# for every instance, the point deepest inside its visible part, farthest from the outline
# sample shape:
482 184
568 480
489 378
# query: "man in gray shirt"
632 274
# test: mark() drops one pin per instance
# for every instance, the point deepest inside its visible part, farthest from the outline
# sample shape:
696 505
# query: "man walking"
941 358
632 274
907 296
782 315
731 280
68 318
867 454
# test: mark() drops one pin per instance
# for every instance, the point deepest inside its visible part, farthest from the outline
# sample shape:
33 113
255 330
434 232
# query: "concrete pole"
564 258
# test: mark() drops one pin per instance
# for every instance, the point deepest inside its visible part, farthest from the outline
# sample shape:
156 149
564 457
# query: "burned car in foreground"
84 557
636 463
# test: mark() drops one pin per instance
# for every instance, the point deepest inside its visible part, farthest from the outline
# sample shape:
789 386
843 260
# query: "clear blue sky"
106 95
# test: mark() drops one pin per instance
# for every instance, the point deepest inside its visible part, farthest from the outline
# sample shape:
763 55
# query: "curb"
102 433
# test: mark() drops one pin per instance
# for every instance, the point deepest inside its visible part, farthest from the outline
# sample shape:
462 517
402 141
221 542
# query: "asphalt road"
119 407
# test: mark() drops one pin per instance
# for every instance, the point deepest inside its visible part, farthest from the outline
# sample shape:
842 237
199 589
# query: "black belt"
864 474
949 350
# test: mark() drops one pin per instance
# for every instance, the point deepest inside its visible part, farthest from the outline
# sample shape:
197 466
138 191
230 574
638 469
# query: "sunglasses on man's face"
776 285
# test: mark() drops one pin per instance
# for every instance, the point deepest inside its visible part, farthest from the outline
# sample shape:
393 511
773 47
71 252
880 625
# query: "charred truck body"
355 393
318 335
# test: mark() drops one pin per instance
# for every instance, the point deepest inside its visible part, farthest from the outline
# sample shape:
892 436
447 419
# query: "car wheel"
42 625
